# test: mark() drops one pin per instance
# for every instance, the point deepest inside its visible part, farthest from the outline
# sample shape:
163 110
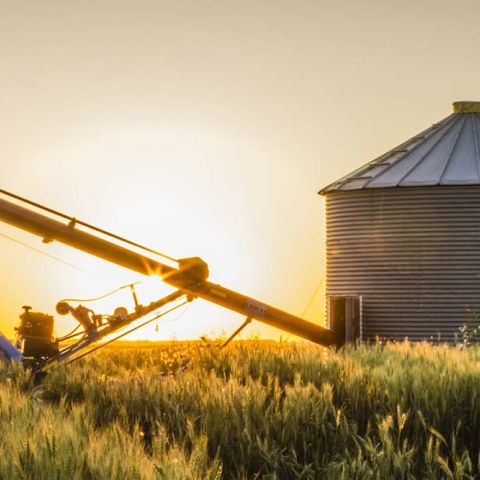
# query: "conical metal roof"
447 153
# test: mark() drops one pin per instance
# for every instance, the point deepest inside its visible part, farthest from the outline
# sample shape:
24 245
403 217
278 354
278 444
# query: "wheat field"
256 409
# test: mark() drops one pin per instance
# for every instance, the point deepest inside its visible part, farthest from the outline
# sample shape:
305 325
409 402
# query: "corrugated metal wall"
413 254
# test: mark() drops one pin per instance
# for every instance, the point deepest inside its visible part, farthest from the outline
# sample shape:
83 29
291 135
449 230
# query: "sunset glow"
206 129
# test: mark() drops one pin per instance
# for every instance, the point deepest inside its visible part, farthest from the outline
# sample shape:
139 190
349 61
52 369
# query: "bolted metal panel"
411 253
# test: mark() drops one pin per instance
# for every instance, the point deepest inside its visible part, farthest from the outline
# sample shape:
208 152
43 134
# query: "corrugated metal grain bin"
403 237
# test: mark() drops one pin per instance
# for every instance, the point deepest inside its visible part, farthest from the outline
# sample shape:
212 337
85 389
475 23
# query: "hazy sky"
206 128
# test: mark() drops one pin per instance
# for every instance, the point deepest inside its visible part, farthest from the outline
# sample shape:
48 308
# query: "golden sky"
206 128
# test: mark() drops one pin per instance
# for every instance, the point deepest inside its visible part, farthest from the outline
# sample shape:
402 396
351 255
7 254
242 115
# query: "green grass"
253 410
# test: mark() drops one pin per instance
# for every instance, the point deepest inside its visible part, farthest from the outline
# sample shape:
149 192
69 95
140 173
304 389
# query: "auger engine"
35 335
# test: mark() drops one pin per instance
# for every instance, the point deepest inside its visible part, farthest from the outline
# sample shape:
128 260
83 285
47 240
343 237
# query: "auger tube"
190 277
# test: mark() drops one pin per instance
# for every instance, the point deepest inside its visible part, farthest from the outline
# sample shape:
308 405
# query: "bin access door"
345 317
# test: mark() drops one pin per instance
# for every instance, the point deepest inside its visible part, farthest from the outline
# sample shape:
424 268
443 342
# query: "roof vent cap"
466 107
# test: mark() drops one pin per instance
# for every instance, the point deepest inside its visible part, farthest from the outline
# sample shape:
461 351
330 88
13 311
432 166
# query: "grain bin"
403 237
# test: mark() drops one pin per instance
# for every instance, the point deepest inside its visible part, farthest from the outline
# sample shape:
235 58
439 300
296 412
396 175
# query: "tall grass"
254 410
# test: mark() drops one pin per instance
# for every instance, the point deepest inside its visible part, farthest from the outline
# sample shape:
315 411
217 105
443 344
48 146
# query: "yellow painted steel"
190 278
466 107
